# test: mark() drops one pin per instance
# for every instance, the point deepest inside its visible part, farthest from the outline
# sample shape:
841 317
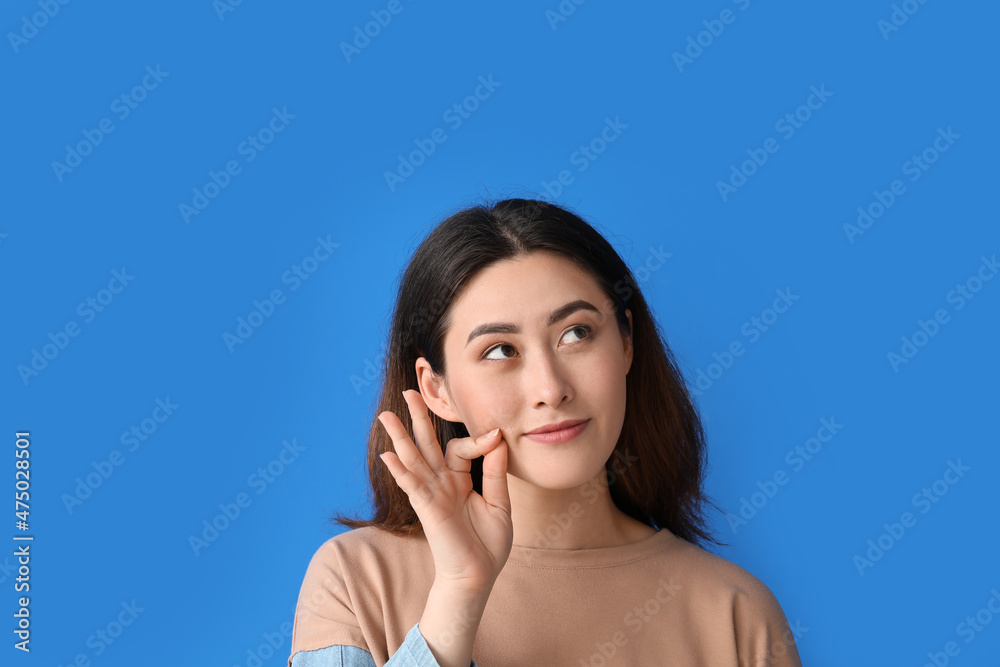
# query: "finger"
406 480
423 430
405 450
461 451
495 490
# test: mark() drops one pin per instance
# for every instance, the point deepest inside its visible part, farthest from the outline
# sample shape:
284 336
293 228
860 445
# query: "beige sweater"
660 601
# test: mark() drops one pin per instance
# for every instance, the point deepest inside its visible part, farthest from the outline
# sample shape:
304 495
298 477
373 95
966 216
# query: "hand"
470 535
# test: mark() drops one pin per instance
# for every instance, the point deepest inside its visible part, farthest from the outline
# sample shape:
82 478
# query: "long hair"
662 431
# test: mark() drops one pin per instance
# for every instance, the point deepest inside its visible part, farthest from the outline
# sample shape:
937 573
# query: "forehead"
524 290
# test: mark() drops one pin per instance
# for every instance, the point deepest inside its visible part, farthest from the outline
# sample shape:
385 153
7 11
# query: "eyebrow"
555 316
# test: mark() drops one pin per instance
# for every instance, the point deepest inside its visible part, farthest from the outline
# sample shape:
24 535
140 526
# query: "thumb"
495 491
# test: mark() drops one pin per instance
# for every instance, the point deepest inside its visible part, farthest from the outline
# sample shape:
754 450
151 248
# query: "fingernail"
493 432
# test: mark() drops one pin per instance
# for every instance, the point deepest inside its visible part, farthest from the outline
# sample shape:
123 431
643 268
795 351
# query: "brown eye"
584 328
501 346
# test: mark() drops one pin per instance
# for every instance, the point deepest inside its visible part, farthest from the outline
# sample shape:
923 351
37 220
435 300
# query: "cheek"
605 372
606 390
484 405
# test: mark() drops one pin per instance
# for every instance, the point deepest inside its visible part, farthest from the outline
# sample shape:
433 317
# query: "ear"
628 341
434 391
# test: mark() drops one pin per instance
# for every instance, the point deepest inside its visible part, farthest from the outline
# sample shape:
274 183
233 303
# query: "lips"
558 426
558 432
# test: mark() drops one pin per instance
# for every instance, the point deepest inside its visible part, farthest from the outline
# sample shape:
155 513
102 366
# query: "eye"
583 329
493 349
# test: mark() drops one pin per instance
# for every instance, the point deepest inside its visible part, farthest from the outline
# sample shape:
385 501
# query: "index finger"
405 449
423 430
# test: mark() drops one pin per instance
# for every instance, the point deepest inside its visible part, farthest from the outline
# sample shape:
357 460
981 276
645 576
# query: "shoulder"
720 581
368 539
348 578
363 550
722 589
367 563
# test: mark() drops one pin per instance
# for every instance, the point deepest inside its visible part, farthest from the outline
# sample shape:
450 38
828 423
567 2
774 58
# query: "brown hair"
662 429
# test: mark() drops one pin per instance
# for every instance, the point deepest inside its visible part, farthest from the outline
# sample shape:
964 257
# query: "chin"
553 477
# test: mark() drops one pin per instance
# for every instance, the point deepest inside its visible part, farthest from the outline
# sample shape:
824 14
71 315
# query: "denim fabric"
413 652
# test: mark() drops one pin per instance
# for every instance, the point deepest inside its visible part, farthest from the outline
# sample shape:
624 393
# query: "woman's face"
534 341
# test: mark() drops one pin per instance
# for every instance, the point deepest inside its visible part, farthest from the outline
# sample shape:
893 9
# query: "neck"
578 518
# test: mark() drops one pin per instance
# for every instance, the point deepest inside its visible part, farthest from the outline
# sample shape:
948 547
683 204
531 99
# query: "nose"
547 381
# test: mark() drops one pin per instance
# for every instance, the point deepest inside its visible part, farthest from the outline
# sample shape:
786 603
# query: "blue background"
301 375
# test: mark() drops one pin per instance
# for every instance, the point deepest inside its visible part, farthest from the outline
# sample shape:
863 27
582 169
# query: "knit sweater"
658 601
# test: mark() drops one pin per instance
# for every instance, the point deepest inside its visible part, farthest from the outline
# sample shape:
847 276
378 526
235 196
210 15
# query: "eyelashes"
587 330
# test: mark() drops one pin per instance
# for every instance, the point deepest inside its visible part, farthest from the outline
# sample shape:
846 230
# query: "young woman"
536 473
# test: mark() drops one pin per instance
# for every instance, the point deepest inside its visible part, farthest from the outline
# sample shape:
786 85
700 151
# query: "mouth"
564 431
